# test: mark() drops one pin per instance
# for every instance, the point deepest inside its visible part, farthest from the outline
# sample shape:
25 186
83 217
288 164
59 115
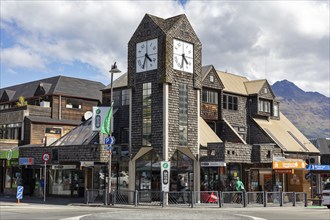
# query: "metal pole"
111 122
45 182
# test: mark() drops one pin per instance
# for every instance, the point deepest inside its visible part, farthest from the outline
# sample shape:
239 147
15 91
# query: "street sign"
25 161
110 140
19 194
165 175
46 157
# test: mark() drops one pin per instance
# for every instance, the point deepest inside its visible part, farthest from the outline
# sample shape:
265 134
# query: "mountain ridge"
308 111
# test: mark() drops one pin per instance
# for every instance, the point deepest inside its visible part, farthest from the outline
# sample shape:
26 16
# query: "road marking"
75 218
254 218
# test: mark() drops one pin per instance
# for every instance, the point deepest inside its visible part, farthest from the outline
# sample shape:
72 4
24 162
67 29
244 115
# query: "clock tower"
164 77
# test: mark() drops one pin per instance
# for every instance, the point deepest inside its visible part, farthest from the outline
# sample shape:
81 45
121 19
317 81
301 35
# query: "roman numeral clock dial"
183 54
146 55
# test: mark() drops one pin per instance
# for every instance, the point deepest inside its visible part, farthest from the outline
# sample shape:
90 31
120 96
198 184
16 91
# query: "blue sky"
275 40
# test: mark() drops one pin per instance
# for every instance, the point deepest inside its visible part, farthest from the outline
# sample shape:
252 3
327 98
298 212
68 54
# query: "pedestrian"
239 186
41 185
182 188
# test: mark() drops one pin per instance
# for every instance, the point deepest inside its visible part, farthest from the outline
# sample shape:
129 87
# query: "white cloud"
293 36
21 57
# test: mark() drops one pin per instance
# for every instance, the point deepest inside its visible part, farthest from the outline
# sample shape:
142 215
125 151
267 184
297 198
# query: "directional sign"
110 140
46 157
19 194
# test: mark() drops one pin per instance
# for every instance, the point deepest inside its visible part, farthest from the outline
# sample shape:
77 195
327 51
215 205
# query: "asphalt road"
68 212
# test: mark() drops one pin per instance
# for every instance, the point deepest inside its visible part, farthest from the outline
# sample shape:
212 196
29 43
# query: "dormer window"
211 78
275 110
264 106
265 90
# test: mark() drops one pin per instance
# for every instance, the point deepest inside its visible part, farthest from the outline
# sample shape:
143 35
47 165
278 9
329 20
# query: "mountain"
308 111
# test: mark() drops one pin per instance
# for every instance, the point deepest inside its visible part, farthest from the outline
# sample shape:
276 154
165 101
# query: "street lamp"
112 71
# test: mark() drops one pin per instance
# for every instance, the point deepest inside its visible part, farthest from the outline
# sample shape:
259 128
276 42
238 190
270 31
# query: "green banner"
9 154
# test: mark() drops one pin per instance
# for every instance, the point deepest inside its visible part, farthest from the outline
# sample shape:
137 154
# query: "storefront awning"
207 135
285 163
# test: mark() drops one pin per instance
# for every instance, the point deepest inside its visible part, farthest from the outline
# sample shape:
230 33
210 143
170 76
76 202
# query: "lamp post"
112 71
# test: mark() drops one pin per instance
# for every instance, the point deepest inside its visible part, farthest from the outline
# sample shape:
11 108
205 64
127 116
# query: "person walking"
182 188
239 186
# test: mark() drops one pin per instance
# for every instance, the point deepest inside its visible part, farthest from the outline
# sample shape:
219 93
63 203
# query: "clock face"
183 56
146 55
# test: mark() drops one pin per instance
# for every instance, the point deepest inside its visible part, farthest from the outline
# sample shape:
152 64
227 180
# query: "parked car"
326 195
122 179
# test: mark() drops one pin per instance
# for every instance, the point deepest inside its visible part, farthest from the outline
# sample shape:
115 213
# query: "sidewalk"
9 200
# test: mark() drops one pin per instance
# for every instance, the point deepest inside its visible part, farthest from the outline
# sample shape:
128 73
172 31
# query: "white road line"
254 218
74 218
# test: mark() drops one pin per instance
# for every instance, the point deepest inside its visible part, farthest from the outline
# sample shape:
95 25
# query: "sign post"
45 158
19 194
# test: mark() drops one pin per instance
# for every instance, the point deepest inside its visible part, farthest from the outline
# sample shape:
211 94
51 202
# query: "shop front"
289 175
213 176
9 170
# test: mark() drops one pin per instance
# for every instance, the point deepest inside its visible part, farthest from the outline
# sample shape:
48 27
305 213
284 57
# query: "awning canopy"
282 163
207 135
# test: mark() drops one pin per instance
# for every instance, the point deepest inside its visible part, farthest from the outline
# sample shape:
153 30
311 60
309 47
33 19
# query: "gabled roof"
58 85
206 70
233 83
80 135
286 135
121 81
254 86
207 135
234 131
323 144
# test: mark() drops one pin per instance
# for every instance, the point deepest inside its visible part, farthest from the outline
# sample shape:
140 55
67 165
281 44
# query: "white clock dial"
177 47
189 66
146 55
177 62
152 65
152 46
140 64
188 50
141 49
183 56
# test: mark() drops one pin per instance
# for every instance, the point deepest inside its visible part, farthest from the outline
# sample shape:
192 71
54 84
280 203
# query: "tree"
21 101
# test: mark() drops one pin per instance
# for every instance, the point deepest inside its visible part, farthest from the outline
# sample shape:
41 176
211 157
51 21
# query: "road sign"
46 157
110 140
19 194
26 161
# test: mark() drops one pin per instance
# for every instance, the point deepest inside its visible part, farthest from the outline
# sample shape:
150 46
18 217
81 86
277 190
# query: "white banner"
99 113
165 175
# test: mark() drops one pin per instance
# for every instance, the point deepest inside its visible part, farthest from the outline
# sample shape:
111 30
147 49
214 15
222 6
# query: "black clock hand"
184 58
144 63
147 56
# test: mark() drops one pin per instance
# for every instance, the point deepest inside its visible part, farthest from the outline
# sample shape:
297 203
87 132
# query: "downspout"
60 108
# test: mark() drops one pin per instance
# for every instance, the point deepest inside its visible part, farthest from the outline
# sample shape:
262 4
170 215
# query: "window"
73 103
230 102
146 117
210 97
116 98
224 102
183 114
211 78
11 131
275 109
265 90
264 106
125 97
